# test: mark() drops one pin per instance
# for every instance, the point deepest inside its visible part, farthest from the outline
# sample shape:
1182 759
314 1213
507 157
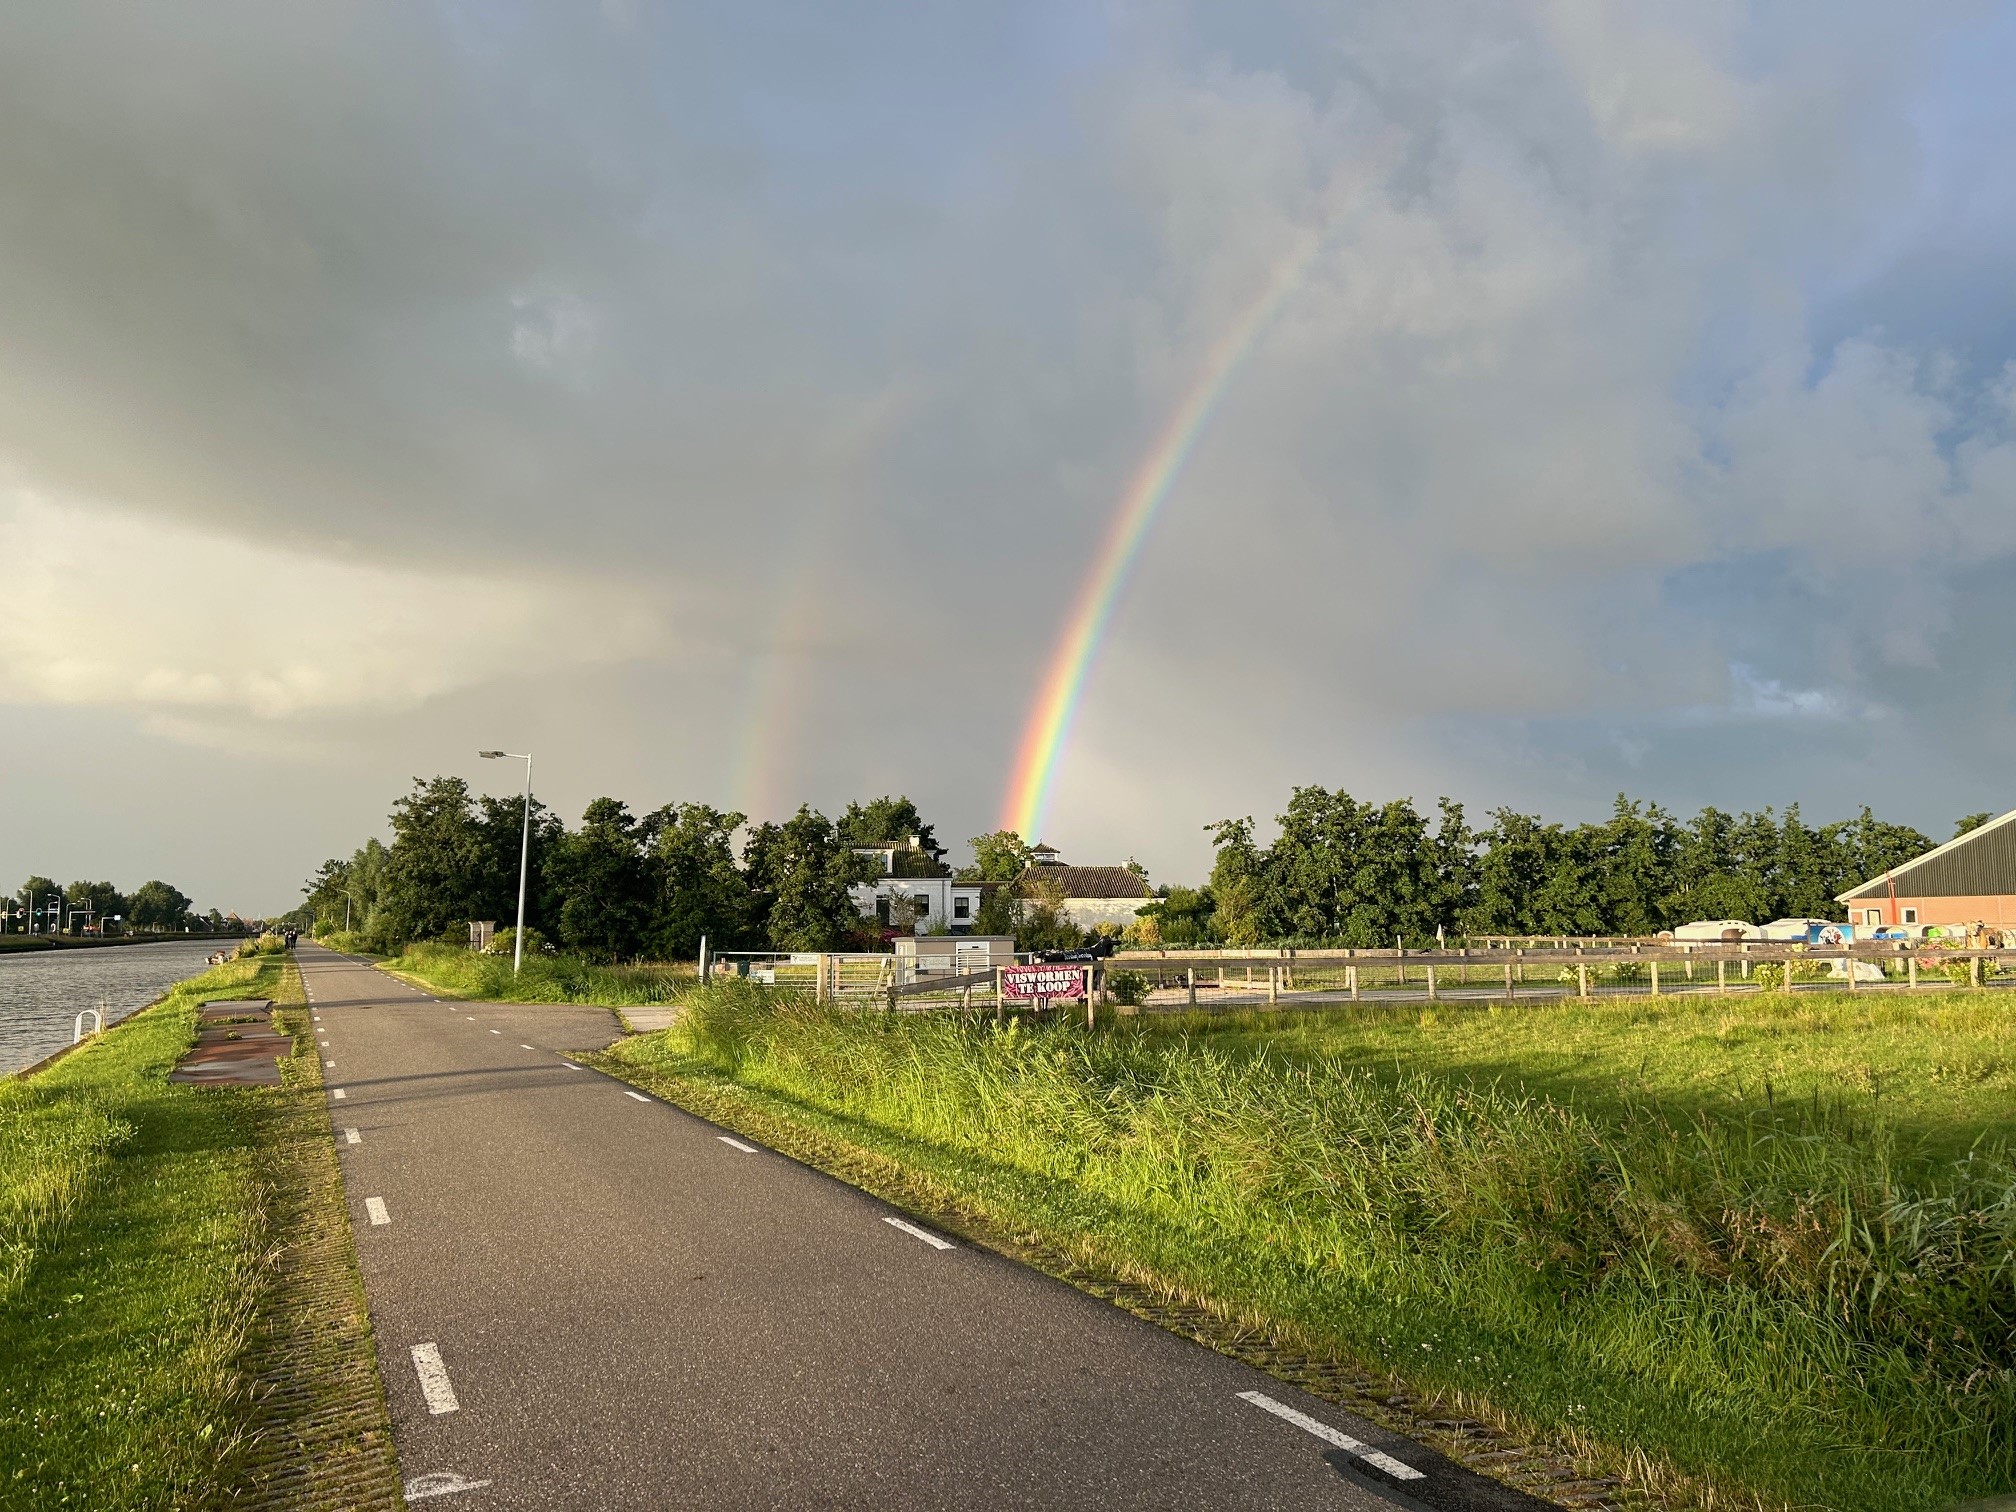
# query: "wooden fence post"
1091 1003
1911 972
1848 965
1273 984
819 979
1722 974
1582 978
1351 980
1974 971
1190 980
1000 999
1431 984
1655 979
1510 991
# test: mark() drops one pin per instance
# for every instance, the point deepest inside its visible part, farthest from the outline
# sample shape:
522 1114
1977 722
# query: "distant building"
1971 880
926 955
926 903
1093 895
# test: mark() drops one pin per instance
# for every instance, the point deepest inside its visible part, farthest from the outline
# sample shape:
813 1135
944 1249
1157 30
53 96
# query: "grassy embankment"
154 1314
453 971
1749 1251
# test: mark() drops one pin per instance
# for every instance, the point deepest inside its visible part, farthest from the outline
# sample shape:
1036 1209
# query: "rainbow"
1063 686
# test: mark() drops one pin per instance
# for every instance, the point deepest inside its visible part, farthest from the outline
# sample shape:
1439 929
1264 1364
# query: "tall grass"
1763 1299
542 979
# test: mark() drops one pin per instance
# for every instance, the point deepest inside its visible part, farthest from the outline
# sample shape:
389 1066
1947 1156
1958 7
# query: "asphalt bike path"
584 1297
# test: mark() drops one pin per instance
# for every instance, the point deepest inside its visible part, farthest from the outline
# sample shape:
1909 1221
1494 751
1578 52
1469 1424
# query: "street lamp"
524 852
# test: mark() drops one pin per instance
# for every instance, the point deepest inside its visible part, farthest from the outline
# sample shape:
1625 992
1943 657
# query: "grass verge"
452 971
153 1346
1747 1308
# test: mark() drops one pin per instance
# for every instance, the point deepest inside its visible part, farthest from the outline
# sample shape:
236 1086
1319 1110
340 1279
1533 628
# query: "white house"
1092 895
931 902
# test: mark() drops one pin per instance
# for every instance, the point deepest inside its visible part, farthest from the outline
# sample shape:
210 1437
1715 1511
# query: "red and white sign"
1043 981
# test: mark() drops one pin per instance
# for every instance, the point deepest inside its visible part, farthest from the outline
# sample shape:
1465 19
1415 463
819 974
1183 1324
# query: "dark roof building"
1085 881
1968 880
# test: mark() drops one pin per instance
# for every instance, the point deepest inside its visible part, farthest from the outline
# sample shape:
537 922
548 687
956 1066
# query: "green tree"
999 857
97 901
1238 883
1967 824
807 871
434 878
158 906
1184 915
700 889
601 881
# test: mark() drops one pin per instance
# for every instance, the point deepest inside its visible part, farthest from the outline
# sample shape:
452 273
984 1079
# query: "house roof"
1088 881
1980 863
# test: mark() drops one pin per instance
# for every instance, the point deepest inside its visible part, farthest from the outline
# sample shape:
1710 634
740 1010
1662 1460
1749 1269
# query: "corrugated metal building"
1971 880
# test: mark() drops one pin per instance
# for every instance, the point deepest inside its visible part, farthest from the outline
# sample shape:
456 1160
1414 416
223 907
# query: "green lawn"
136 1245
1588 1221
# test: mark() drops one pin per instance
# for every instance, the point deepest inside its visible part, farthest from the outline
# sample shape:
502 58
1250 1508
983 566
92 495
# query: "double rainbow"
1063 687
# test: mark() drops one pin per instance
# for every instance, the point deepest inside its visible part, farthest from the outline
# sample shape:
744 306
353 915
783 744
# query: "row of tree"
1361 874
1338 871
42 906
620 886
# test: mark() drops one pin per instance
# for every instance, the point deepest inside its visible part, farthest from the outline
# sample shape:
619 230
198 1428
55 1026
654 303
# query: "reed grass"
1778 1300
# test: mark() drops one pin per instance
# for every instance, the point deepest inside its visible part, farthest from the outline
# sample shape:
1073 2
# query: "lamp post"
524 852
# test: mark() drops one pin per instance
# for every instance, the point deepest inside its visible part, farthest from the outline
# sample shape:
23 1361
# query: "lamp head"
489 755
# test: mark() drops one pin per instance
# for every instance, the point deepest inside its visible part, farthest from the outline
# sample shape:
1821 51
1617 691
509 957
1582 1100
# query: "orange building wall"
1993 909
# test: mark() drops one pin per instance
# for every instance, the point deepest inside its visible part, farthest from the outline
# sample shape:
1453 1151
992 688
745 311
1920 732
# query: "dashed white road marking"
918 1233
496 1031
524 1047
470 1016
375 1207
351 1136
328 1065
339 1092
434 1384
570 1065
324 1044
638 1095
746 1149
1398 1469
440 1483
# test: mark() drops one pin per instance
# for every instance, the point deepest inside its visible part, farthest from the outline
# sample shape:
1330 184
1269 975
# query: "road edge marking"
729 1139
1398 1469
375 1208
934 1240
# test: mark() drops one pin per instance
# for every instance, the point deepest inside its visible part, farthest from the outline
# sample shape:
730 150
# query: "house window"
1910 916
1872 916
962 908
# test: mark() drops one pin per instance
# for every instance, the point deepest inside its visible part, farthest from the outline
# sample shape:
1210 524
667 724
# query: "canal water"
43 991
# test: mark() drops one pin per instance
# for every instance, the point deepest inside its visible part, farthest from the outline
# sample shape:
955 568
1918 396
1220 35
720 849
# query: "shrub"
1128 988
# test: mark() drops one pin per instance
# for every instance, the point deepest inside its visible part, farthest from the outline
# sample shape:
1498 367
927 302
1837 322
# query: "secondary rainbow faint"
1055 710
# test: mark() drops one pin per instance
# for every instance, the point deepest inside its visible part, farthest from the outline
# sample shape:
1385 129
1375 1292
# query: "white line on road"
570 1065
328 1065
434 1379
339 1092
440 1483
351 1136
524 1047
917 1233
746 1149
324 1044
638 1095
375 1206
1393 1467
496 1031
470 1016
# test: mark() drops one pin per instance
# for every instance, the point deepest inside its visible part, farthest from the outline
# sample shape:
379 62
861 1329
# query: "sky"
727 403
